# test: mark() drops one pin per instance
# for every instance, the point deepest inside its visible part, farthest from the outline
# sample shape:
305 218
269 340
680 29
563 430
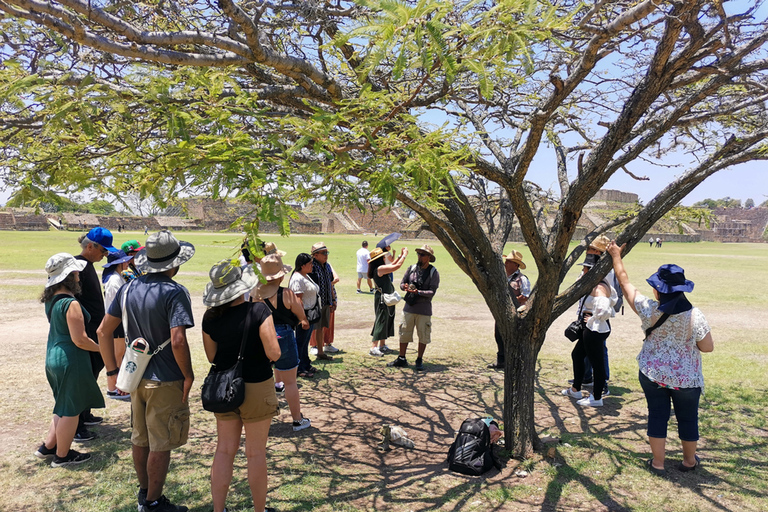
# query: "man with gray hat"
420 283
158 310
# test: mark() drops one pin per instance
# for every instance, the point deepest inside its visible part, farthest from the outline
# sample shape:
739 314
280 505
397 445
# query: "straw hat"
600 243
319 246
228 282
515 257
60 265
377 253
163 252
272 269
670 279
271 248
428 250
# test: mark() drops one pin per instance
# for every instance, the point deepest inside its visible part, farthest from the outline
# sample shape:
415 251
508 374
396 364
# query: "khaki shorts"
159 418
260 403
423 325
325 316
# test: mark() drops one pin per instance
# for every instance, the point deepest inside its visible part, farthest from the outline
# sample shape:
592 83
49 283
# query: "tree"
749 203
439 105
100 207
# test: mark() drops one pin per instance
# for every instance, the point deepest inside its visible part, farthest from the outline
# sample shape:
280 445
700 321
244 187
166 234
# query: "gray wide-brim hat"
60 265
163 252
228 282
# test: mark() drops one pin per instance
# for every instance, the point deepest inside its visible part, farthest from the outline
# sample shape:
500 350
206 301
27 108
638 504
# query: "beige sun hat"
60 265
427 249
600 243
228 282
163 252
319 246
271 248
272 269
515 257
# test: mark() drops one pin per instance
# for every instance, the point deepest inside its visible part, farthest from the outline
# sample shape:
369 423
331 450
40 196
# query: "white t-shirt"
304 286
113 284
362 259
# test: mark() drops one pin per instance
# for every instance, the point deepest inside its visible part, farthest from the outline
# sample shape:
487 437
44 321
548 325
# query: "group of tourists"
267 324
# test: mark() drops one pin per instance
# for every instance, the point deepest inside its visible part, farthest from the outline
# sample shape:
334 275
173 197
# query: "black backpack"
471 453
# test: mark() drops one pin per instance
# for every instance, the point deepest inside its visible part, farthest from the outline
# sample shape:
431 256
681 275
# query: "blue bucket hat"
116 258
670 278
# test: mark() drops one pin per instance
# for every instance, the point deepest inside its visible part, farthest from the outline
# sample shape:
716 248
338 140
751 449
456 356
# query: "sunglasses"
323 252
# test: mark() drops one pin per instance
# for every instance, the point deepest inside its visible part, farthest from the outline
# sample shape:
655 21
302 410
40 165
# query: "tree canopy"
441 105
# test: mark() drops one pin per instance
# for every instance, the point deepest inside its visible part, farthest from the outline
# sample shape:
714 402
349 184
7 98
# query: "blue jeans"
302 342
686 402
289 353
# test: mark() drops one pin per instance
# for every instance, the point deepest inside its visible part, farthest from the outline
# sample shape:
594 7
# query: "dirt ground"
347 407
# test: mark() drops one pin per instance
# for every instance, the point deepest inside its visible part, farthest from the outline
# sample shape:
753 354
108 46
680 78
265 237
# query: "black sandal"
656 471
682 467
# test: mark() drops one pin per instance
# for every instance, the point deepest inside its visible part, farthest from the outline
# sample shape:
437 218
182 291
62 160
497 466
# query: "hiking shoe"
92 420
141 498
385 349
400 362
301 424
83 436
162 504
375 352
419 365
44 453
279 387
71 459
331 349
313 351
590 402
571 393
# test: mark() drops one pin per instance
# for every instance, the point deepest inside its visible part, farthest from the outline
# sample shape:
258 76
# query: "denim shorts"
289 352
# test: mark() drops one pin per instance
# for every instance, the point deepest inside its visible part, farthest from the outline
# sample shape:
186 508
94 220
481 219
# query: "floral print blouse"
669 355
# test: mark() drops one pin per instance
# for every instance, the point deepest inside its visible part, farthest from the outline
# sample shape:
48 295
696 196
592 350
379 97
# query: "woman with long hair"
676 333
224 326
380 268
307 291
287 312
67 362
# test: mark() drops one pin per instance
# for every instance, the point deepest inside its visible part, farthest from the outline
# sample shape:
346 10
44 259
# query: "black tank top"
280 314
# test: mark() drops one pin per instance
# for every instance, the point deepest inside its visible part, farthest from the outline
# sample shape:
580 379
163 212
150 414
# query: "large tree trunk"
522 343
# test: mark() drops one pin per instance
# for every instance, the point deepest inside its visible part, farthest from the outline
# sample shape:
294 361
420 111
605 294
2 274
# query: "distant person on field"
67 364
676 334
224 326
420 282
95 245
658 242
158 309
650 241
363 255
521 289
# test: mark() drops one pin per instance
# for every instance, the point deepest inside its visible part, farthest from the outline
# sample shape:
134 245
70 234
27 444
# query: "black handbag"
574 330
313 313
224 391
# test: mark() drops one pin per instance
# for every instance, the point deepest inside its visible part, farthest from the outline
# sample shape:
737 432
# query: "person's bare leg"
288 377
422 348
140 456
318 335
689 453
227 444
359 280
65 433
370 284
403 349
658 449
50 439
256 435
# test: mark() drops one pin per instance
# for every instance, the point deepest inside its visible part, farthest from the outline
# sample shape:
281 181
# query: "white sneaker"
571 393
375 352
313 351
385 349
590 402
330 349
301 424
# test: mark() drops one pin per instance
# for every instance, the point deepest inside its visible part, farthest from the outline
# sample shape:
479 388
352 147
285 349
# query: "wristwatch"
113 372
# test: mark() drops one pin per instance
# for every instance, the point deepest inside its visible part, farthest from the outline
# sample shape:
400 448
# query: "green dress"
67 367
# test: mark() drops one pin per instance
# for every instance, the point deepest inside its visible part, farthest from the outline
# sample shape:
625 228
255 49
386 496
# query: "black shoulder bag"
224 391
655 326
575 328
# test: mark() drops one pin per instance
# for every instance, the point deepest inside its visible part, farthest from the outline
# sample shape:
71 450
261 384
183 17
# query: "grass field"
336 466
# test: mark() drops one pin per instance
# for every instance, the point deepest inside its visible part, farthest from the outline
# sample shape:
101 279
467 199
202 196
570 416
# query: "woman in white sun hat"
67 363
223 330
